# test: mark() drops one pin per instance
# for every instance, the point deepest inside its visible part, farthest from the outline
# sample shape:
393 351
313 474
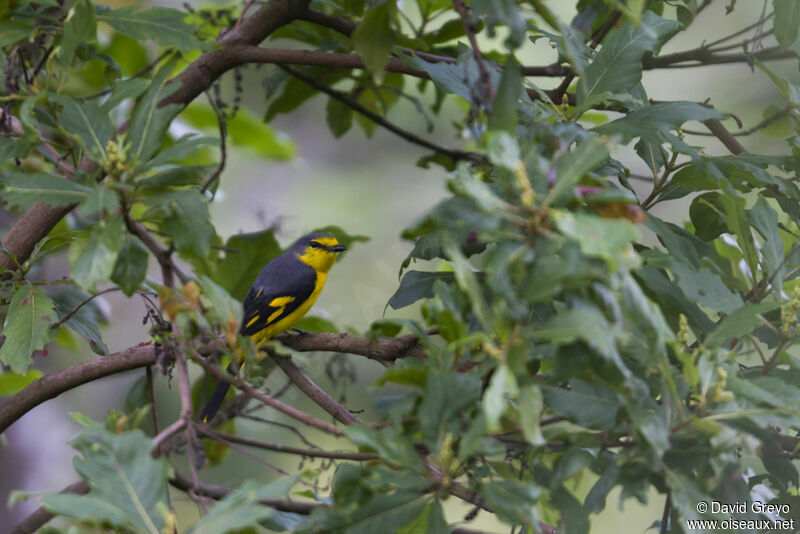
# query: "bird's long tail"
218 395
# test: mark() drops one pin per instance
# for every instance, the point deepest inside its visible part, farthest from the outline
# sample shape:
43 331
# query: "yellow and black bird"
282 294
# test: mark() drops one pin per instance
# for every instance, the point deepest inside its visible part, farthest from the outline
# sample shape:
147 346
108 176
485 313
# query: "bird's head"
318 250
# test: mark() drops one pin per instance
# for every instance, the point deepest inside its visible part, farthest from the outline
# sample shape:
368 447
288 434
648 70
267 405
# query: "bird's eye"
315 244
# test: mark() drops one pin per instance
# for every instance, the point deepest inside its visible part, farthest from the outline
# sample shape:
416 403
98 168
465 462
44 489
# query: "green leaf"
339 117
124 89
786 22
374 37
128 487
27 327
617 67
609 239
100 199
11 383
592 405
130 268
513 501
85 321
502 12
571 167
180 149
586 324
506 99
417 285
13 148
245 256
184 215
530 408
89 123
25 189
708 218
93 254
502 386
244 130
447 396
80 27
387 442
739 323
240 509
163 25
666 116
149 121
429 521
765 221
737 222
224 307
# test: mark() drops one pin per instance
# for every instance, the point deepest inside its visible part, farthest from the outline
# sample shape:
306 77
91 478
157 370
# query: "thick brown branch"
313 391
41 516
701 57
382 350
52 385
722 133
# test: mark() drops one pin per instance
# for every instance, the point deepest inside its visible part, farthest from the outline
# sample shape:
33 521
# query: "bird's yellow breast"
291 319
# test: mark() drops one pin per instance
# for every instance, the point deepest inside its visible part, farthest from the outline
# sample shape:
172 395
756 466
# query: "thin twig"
42 515
374 117
223 152
66 317
766 122
313 391
485 81
291 411
277 447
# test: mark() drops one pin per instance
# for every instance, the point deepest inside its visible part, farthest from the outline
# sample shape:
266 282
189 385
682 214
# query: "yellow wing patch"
281 301
277 313
251 321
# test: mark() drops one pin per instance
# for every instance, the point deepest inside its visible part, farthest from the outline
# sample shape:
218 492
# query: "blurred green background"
366 186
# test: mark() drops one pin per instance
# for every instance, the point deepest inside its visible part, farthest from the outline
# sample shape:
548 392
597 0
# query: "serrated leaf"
506 99
241 509
130 268
765 221
149 121
786 21
617 67
128 487
27 327
224 307
163 25
183 213
513 501
339 117
13 148
93 254
416 285
592 405
571 167
25 189
374 37
609 239
245 256
387 442
89 122
446 396
80 27
85 321
11 382
733 207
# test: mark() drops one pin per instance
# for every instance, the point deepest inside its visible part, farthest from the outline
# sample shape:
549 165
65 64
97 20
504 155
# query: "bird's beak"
339 248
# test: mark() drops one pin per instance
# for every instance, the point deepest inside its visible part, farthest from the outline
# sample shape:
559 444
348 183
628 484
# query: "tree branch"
722 133
313 391
52 385
454 153
42 515
277 447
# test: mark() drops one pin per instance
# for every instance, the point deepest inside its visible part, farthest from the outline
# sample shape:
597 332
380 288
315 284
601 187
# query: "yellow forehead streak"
281 301
277 313
251 321
327 241
259 292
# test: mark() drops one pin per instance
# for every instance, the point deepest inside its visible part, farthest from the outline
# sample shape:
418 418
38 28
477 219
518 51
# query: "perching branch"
42 515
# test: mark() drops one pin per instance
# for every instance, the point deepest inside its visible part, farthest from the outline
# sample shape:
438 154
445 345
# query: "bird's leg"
300 333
